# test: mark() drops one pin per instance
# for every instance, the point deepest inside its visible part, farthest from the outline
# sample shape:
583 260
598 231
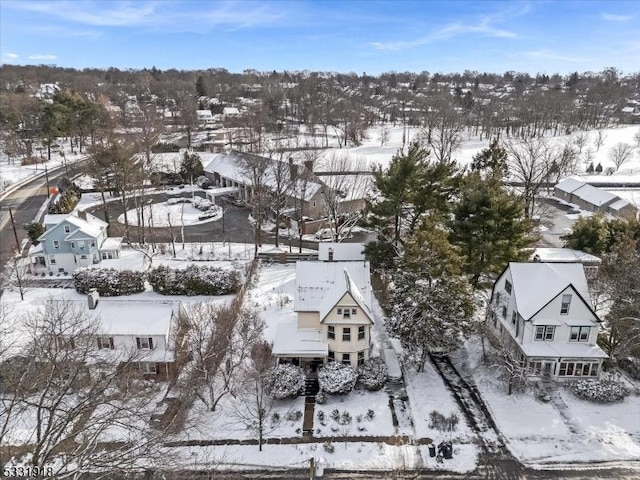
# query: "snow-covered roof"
594 195
133 317
111 243
54 218
292 341
536 284
568 350
230 111
569 185
563 255
341 251
619 204
92 226
320 283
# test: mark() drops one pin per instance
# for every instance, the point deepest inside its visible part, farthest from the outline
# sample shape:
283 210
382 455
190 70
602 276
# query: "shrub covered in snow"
372 374
337 378
606 390
108 281
321 398
285 381
193 280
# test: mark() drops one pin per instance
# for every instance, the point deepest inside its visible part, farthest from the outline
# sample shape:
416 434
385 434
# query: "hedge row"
194 280
108 281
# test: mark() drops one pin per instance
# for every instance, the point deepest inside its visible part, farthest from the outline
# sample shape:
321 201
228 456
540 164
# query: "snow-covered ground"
12 171
171 214
540 433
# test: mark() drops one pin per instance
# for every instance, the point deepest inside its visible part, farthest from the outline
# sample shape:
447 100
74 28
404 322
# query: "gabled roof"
91 227
339 289
341 251
569 185
593 195
318 284
536 284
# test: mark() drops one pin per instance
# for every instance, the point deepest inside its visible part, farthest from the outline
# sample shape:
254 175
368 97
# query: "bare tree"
220 339
254 405
636 138
343 192
255 170
581 140
620 153
384 135
511 368
530 162
280 175
442 132
601 136
77 398
20 274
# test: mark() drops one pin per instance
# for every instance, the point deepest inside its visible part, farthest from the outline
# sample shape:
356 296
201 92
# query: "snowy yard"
539 433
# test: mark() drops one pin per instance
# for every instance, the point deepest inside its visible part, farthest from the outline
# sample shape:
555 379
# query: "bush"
631 366
321 398
66 201
602 391
34 230
108 281
372 374
337 378
285 381
194 280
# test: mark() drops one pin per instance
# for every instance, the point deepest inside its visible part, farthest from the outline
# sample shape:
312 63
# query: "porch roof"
291 341
567 350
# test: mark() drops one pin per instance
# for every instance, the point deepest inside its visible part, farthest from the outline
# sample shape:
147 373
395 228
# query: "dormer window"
566 302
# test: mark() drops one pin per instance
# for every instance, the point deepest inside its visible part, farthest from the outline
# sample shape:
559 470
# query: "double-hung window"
331 332
346 334
144 343
566 303
579 334
361 332
545 333
105 342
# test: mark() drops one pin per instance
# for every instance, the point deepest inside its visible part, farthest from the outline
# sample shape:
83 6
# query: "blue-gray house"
70 241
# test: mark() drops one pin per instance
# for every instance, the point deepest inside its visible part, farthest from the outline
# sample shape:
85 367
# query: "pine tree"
490 228
432 302
410 188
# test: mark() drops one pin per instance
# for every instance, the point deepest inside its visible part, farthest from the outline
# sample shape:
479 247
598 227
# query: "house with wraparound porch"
543 313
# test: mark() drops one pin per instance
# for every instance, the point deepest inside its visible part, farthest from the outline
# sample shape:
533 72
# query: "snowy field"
541 434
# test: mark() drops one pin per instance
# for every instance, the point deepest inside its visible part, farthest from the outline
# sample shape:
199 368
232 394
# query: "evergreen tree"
406 191
491 162
34 230
598 235
432 304
490 228
191 166
201 89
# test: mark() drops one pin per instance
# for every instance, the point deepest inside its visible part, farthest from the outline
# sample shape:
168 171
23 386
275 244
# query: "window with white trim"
331 356
361 332
504 312
545 333
579 334
67 229
346 334
144 343
514 317
52 259
566 303
346 358
507 286
360 358
105 342
535 367
331 332
578 369
56 244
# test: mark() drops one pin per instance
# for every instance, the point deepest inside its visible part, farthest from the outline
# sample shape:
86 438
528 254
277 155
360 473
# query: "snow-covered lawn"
540 433
226 422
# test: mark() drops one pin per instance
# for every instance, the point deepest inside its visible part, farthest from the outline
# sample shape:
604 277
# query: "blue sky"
334 35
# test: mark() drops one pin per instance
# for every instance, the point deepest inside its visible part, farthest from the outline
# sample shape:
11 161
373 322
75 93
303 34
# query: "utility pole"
46 174
15 233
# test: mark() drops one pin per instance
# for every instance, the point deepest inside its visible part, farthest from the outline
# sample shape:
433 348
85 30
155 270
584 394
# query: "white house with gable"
333 303
135 330
543 312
